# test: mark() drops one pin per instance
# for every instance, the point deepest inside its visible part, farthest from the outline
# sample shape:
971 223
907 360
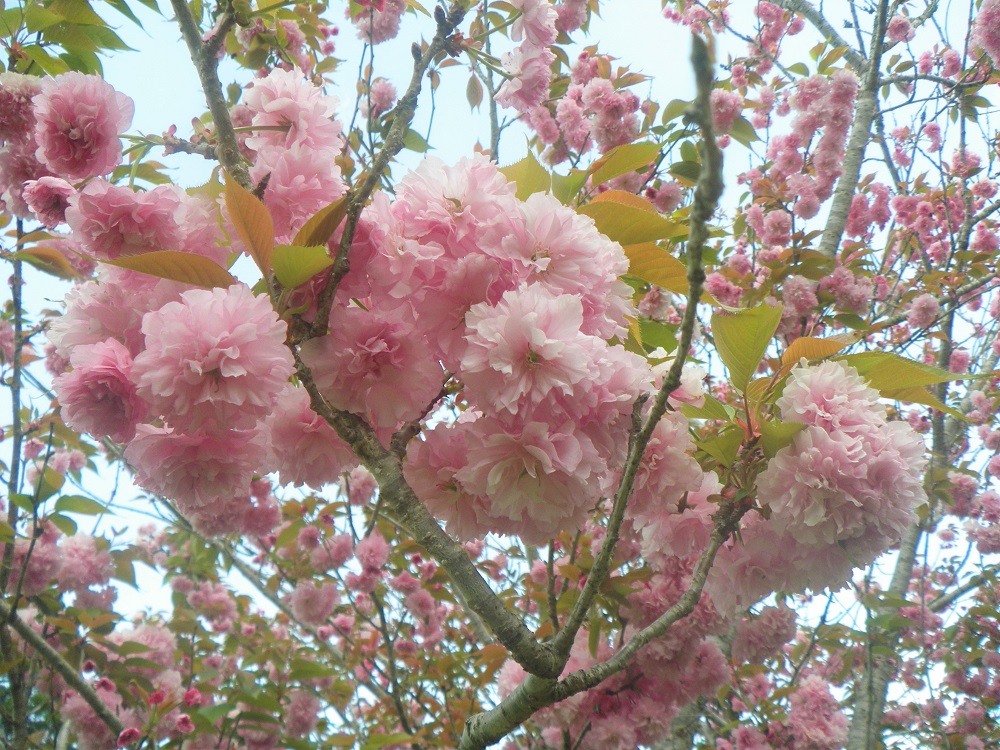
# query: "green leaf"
566 188
674 109
320 228
6 533
654 265
799 69
187 268
122 7
51 261
886 372
474 92
80 504
65 524
776 435
124 567
252 221
743 131
622 160
76 11
657 335
303 669
381 740
24 502
629 219
528 176
711 409
216 712
294 266
742 338
812 348
49 64
415 142
38 18
48 484
725 447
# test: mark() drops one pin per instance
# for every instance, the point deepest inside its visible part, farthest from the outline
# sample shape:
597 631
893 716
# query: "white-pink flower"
524 347
216 358
48 199
284 99
374 365
98 396
528 85
111 222
537 23
831 396
199 471
77 121
306 449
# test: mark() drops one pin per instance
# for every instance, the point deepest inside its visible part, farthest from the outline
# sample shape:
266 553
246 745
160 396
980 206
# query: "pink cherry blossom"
312 604
306 450
816 720
528 85
726 106
215 358
536 24
77 121
526 346
111 221
378 23
48 199
285 99
17 115
98 396
832 396
900 30
986 29
373 365
197 470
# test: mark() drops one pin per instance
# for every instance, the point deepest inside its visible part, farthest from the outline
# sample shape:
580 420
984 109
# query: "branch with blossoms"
538 692
402 115
708 190
68 672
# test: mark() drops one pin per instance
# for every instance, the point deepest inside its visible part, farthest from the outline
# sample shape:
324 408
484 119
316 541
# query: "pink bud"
128 736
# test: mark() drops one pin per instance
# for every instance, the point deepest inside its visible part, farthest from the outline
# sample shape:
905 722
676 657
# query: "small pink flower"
379 21
726 107
17 116
900 30
48 199
128 736
78 119
184 724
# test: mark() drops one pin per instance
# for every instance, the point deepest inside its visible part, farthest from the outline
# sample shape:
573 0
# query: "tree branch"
812 14
55 660
206 62
406 509
864 115
402 116
706 198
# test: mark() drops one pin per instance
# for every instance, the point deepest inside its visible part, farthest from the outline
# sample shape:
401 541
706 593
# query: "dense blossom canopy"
564 451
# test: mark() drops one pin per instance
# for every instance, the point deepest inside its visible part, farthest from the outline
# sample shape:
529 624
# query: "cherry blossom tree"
679 432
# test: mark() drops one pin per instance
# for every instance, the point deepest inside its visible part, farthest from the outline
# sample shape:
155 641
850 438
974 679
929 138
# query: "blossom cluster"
842 492
527 65
594 112
53 132
194 380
